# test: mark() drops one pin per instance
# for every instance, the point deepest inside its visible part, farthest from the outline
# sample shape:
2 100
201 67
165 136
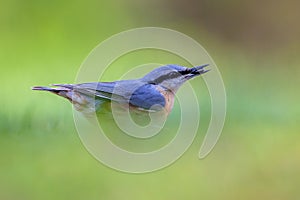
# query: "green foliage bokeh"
44 42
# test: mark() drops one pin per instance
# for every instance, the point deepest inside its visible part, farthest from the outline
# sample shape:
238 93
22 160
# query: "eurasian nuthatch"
153 92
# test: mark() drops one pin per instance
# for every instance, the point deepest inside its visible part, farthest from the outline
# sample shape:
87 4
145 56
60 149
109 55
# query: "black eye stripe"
185 72
170 75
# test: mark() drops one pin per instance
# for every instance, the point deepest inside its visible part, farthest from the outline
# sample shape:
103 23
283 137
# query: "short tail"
60 91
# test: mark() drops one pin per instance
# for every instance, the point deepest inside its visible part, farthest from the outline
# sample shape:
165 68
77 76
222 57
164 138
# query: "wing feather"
144 96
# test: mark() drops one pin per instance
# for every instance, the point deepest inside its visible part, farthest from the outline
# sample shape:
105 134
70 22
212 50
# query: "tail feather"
49 89
61 91
69 86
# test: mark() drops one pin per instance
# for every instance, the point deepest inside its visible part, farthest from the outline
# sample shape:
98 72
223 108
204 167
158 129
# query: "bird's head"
173 76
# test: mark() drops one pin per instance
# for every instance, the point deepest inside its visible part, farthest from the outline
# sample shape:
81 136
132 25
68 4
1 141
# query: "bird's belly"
89 106
169 99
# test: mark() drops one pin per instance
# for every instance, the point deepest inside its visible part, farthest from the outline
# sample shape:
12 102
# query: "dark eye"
185 72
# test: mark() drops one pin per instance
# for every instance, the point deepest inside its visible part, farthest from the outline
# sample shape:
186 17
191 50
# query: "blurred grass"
257 156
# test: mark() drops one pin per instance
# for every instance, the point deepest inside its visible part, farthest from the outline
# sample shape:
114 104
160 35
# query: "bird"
154 92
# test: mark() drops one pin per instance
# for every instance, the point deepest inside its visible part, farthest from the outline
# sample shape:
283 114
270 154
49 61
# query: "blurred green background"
256 46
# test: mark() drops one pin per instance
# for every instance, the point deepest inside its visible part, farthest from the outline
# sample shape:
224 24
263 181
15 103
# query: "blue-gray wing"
146 96
103 90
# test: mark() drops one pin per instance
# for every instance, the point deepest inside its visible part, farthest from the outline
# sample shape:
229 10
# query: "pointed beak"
196 71
201 69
